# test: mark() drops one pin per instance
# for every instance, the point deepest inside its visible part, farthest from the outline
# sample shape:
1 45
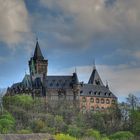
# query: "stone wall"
25 137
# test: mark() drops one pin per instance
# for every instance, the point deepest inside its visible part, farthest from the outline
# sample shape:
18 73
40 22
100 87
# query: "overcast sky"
72 33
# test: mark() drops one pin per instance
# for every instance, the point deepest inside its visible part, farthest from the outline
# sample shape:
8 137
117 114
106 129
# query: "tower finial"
25 71
36 39
107 84
94 65
75 70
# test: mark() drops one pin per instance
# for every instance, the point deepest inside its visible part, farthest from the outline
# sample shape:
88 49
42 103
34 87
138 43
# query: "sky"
72 34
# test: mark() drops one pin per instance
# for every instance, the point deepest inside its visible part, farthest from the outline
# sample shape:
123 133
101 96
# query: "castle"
93 95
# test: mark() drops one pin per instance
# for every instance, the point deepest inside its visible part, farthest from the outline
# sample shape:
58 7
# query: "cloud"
96 19
14 21
136 54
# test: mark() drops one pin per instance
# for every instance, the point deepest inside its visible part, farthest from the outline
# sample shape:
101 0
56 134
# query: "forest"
64 120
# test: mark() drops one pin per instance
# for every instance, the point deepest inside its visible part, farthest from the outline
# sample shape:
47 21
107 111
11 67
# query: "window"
102 101
84 99
95 93
97 100
92 100
51 84
97 108
113 101
81 91
90 92
99 93
92 108
107 101
83 108
102 108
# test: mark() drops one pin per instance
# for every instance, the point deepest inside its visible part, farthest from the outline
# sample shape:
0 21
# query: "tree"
74 131
6 123
93 133
133 101
135 122
122 135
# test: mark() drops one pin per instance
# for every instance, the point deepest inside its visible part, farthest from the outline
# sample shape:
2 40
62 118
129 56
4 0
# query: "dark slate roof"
38 54
97 91
26 82
95 78
59 82
16 85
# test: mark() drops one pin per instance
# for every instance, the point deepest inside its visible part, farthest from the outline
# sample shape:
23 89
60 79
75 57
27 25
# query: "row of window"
92 108
97 93
102 101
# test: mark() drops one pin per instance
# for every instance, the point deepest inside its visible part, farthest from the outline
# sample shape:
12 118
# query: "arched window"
92 108
97 100
97 108
84 99
102 101
107 101
113 101
83 108
92 100
102 108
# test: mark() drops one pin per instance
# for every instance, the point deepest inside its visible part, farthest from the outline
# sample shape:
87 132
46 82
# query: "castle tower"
38 66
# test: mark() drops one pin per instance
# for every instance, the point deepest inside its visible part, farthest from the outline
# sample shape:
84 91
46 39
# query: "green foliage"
64 137
23 100
74 131
6 123
122 135
93 133
104 138
24 131
37 126
135 120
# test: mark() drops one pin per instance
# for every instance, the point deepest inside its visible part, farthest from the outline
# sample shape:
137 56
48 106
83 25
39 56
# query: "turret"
38 65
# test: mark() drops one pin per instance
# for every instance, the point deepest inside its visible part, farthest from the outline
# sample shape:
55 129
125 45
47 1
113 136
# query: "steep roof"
95 91
95 78
38 54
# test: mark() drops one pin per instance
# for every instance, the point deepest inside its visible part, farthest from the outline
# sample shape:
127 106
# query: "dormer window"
97 82
90 92
109 94
51 84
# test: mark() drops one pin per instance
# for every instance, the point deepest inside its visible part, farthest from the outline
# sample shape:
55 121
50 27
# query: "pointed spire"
95 78
75 78
94 64
38 54
107 84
